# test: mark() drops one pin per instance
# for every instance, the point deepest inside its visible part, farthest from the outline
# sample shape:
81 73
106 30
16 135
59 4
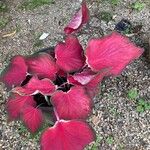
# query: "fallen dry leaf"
96 120
9 34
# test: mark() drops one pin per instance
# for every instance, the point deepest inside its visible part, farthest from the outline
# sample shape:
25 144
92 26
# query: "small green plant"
3 7
3 22
133 94
97 143
106 16
127 31
22 130
32 4
18 28
113 111
138 6
38 43
121 147
115 2
142 105
110 140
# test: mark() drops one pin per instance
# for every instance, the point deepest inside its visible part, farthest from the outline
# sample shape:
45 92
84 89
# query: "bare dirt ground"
121 122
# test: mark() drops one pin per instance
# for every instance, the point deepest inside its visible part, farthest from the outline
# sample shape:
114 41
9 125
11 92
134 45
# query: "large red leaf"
74 104
34 86
81 17
67 135
16 103
69 55
114 52
32 118
15 72
42 65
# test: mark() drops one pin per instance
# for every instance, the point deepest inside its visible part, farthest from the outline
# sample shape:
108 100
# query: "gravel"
115 119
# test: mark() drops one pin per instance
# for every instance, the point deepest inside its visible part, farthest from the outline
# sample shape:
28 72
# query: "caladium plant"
63 83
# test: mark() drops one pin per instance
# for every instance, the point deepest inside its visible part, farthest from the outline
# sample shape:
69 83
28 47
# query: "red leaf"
88 79
67 135
42 65
81 17
15 73
114 52
69 55
34 86
82 78
72 81
32 118
61 73
16 103
74 104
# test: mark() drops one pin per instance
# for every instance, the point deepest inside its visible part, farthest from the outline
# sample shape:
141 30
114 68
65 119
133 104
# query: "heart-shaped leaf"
16 103
42 65
74 104
67 135
114 52
32 118
34 86
69 55
15 72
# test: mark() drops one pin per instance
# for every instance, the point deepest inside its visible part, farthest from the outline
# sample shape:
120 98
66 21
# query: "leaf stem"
56 114
47 100
62 85
39 105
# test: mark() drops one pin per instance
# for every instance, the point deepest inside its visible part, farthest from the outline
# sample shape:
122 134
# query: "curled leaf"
81 17
82 78
89 80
